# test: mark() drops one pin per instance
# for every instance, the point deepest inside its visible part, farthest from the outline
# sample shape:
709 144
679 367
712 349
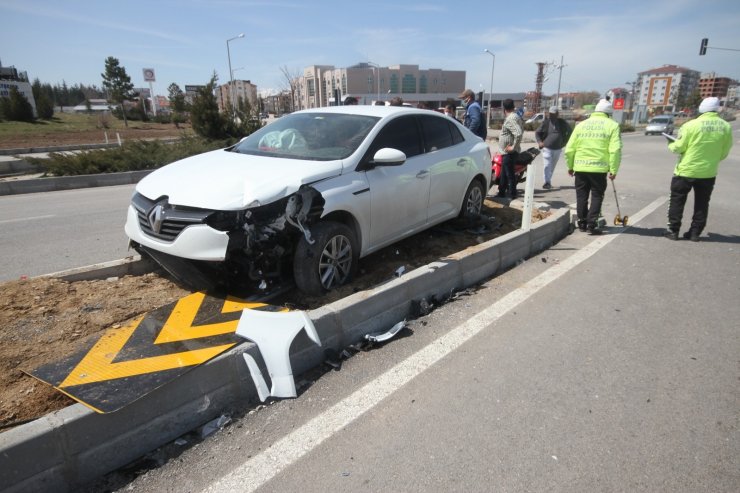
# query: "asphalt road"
604 364
41 233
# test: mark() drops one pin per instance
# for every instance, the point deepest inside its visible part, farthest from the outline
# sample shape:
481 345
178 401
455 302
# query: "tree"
118 84
292 80
207 121
42 94
693 101
177 98
16 107
585 98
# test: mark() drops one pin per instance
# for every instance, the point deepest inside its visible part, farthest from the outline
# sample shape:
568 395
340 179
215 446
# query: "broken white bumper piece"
273 332
384 336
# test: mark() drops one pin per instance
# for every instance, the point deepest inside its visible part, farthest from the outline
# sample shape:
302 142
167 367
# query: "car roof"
369 110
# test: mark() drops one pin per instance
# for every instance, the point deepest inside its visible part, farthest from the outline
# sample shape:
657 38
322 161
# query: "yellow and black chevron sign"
127 363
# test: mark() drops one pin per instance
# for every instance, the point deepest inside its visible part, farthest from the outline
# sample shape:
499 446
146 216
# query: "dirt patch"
43 320
135 131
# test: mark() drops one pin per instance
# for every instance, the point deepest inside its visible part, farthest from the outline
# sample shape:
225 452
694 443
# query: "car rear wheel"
329 262
473 201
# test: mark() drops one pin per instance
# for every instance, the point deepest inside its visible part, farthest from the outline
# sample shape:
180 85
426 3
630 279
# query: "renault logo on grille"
155 217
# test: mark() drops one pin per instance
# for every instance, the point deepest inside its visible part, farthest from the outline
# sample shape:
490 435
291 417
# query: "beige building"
243 89
665 89
322 85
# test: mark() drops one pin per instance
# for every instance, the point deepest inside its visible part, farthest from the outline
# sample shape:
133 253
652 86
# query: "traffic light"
703 47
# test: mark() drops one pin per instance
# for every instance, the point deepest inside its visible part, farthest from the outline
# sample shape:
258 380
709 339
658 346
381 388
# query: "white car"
309 194
536 119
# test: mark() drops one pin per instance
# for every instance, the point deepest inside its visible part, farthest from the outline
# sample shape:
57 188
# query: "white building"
321 85
664 89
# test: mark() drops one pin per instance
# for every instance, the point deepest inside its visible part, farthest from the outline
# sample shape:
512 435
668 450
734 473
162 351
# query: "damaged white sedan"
307 196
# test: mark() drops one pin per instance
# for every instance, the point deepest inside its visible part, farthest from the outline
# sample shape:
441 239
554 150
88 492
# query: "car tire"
329 262
473 200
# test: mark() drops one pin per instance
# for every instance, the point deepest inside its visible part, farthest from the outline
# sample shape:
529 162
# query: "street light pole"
490 95
560 77
231 74
375 65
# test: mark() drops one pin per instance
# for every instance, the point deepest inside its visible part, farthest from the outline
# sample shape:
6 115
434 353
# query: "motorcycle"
523 159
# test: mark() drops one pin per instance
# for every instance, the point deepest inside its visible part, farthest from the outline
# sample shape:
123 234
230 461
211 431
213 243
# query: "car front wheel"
327 263
473 201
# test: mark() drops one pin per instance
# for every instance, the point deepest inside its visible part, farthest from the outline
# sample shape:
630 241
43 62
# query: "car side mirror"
388 157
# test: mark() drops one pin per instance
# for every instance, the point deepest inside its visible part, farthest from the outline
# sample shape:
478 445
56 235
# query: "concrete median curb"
54 184
74 446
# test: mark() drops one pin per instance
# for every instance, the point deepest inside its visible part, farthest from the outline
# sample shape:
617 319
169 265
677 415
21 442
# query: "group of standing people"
593 154
509 139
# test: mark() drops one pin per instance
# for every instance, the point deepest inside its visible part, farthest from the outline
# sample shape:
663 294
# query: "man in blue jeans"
508 145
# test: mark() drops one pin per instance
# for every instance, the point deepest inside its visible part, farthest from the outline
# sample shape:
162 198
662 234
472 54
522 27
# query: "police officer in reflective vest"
702 144
593 151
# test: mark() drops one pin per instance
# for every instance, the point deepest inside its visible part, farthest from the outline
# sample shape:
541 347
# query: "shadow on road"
708 238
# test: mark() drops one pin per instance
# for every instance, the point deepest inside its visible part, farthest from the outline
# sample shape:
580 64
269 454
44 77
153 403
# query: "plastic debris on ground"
273 332
215 425
399 272
384 336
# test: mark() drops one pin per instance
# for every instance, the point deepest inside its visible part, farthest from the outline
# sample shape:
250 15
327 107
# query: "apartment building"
712 86
239 89
664 89
325 85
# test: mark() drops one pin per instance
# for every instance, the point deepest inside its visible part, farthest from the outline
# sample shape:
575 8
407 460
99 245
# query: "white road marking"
33 218
257 471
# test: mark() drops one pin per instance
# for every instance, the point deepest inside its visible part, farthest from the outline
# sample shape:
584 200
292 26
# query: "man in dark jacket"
473 115
551 137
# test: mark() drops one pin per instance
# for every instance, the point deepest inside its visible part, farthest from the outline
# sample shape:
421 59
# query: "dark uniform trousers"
593 184
507 180
680 188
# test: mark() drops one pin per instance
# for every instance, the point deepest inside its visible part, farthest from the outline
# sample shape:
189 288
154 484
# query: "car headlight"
224 220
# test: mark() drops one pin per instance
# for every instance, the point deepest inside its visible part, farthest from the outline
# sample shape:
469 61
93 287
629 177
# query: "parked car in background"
659 124
536 119
308 195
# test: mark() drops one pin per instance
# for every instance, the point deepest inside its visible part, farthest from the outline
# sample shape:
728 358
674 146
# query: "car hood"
225 180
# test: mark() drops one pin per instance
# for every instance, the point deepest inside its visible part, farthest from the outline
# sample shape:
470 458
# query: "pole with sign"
149 77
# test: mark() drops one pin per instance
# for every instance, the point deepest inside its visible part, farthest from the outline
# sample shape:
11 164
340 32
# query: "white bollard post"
106 138
528 197
118 136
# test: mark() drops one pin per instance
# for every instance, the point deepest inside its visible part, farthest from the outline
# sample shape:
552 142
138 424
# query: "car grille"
172 220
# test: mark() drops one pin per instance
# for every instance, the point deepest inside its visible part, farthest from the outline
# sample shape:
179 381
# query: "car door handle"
462 162
422 174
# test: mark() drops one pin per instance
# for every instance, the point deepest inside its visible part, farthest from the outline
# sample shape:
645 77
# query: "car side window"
402 134
437 133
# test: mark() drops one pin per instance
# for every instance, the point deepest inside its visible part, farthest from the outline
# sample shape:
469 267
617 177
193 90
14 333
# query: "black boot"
670 234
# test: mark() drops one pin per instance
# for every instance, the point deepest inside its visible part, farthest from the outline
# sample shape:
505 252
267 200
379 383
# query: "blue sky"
604 44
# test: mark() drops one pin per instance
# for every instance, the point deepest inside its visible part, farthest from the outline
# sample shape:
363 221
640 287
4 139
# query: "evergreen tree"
16 107
118 84
177 98
44 106
207 121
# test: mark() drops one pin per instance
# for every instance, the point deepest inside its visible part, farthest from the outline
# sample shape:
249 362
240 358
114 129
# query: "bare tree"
291 80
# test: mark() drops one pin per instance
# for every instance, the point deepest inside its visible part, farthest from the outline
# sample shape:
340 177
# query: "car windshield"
660 119
311 136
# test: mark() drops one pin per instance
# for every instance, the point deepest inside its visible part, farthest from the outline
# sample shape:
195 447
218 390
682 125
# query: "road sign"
618 104
149 75
128 362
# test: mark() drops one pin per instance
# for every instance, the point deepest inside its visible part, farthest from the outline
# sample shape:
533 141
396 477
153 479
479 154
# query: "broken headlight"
225 220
